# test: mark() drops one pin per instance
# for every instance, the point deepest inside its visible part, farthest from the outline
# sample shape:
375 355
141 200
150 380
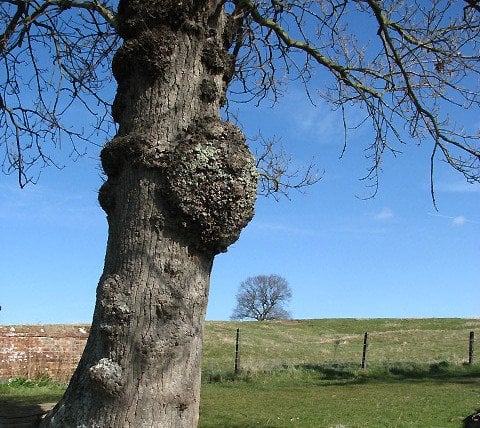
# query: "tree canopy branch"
54 56
414 74
413 77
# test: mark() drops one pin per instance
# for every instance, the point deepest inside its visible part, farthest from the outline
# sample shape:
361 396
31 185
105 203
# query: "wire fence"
248 350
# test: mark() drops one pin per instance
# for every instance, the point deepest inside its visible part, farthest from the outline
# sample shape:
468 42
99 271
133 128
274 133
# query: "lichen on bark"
212 182
146 55
136 15
208 90
133 149
107 375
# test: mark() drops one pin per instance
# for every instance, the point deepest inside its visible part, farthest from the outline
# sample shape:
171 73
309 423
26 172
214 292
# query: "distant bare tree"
262 298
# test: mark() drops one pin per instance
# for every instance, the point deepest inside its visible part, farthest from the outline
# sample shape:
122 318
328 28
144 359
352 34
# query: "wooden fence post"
237 352
470 348
364 354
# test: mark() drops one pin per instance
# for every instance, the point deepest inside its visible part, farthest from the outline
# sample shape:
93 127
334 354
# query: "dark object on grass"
472 421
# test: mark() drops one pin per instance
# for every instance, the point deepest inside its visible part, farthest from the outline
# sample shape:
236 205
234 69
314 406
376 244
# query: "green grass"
307 374
25 391
269 345
310 402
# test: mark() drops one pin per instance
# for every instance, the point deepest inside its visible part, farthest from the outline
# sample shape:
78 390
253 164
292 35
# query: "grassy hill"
273 344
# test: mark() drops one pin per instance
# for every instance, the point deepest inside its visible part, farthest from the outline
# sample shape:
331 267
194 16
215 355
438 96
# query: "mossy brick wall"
41 350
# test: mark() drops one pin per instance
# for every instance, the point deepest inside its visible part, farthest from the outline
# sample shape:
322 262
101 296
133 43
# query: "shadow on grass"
348 373
351 373
226 376
14 413
330 372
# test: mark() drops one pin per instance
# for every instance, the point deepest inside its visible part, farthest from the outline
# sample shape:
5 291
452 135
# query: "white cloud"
320 123
459 220
384 214
43 204
458 187
280 228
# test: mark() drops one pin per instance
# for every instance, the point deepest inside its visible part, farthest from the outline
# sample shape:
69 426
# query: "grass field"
273 344
309 402
307 374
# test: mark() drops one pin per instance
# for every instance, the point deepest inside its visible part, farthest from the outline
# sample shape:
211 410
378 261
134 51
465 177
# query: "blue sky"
392 255
343 255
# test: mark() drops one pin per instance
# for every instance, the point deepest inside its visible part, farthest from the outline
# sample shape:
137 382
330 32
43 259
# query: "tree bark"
181 185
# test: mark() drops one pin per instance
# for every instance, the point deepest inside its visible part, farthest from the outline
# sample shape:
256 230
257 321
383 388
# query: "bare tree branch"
277 174
415 75
55 58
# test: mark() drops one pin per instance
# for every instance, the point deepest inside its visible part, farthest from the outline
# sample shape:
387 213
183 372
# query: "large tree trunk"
181 186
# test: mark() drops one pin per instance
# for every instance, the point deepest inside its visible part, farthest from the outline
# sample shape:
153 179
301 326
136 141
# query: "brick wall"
41 350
